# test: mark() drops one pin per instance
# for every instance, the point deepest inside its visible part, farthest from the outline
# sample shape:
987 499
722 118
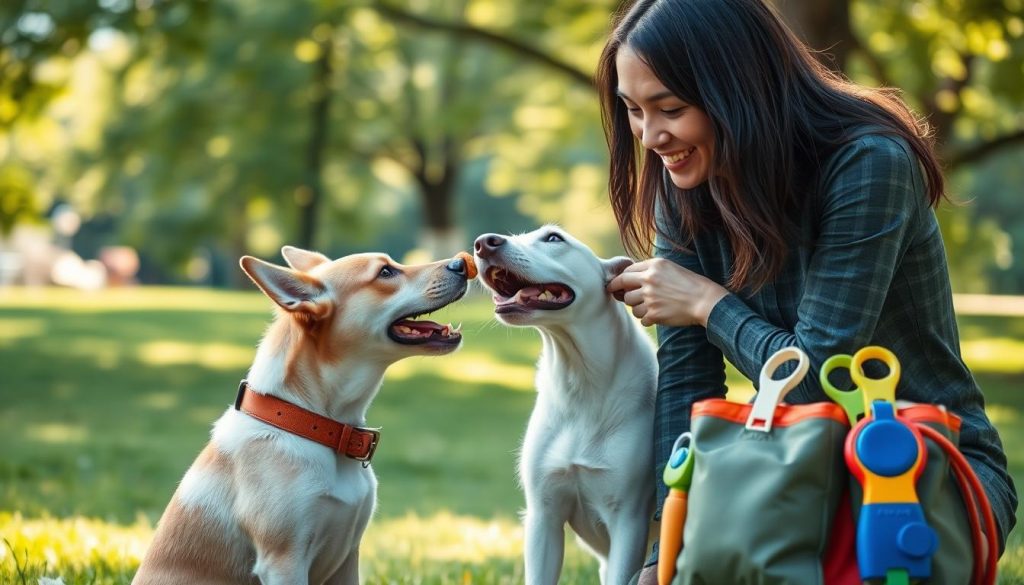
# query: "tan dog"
262 504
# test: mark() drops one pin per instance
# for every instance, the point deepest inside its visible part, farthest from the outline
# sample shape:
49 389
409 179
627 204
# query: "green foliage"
17 203
198 124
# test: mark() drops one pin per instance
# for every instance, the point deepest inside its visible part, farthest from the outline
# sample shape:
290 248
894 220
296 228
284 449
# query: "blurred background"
165 139
146 144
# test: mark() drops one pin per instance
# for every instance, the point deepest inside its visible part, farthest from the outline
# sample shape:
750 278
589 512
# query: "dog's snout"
487 244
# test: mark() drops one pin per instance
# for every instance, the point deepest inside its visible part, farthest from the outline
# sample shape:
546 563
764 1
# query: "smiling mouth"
675 157
513 294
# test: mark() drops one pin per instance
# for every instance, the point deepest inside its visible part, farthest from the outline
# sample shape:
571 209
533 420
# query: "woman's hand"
662 292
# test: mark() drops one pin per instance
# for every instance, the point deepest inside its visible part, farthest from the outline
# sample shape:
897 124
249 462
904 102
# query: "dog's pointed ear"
614 267
295 292
303 260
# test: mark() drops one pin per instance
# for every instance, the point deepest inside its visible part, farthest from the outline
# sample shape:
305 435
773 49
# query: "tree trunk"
310 194
824 25
441 237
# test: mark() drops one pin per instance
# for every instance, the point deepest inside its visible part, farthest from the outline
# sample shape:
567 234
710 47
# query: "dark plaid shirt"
872 273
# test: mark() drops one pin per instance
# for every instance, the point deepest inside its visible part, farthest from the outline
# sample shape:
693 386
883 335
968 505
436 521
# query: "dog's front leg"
281 568
545 546
347 573
628 544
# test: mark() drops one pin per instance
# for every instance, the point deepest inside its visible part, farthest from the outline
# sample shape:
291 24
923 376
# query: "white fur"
262 505
587 457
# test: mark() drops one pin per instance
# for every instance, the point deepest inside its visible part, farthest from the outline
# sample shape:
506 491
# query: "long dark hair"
777 114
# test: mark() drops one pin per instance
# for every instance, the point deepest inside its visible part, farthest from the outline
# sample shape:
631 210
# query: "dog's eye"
553 237
387 272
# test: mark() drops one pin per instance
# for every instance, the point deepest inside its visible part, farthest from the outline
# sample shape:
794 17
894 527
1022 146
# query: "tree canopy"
200 127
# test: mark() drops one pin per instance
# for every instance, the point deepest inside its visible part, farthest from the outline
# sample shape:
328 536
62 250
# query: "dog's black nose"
458 266
487 244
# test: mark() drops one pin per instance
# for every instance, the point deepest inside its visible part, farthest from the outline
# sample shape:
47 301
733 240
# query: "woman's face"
677 132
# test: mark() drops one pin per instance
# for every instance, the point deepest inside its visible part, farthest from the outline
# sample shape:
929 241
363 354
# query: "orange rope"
975 499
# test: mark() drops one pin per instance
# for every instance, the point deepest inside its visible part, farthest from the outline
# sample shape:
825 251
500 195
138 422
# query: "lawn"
107 397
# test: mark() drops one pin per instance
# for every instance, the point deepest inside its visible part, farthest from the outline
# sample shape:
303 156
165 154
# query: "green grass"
108 397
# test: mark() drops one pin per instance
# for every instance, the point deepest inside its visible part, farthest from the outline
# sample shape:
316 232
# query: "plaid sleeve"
690 368
872 191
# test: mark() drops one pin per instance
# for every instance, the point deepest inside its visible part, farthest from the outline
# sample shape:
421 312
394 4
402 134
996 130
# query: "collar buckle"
374 441
241 394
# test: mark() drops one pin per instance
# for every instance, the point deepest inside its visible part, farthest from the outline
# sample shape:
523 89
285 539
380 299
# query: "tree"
238 125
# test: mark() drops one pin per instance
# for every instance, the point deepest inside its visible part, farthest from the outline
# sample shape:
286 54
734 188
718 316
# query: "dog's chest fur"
323 501
329 487
592 418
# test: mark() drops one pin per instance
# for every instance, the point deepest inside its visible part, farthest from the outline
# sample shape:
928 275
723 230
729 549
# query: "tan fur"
191 535
260 505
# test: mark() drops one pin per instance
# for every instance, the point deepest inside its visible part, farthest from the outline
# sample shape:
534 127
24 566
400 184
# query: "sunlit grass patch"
135 299
20 328
442 548
1002 355
1003 415
467 367
214 356
77 549
58 433
443 537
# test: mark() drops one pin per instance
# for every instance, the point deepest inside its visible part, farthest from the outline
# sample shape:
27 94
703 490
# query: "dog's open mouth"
409 331
514 294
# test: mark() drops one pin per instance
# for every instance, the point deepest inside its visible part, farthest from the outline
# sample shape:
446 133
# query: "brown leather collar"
355 442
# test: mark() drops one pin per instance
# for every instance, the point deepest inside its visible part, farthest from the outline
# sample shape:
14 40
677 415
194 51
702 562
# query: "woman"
787 207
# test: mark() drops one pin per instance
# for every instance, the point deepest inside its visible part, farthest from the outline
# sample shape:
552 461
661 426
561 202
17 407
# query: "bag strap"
976 500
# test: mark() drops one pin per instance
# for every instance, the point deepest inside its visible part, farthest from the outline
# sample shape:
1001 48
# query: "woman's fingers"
633 297
637 266
639 310
624 282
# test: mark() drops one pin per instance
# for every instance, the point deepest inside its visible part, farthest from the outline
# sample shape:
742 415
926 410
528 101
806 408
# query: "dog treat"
470 265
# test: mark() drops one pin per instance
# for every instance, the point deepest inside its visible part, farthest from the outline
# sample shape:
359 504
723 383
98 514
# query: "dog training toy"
470 264
772 391
886 455
677 476
894 540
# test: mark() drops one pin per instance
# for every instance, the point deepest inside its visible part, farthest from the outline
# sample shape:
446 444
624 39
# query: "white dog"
283 491
587 458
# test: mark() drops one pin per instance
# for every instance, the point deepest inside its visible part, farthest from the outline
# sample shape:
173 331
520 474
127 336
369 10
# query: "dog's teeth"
458 328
